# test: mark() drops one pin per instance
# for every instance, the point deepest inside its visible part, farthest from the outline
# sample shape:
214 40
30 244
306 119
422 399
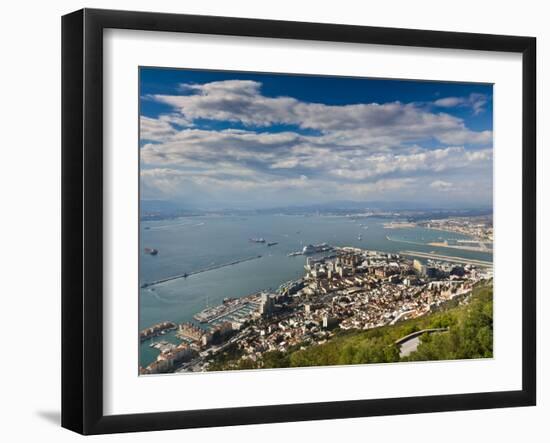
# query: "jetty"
199 271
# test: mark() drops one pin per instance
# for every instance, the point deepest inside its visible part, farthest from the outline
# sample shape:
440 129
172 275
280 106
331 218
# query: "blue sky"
211 139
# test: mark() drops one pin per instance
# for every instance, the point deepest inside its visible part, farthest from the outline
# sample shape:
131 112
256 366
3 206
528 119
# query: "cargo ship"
257 240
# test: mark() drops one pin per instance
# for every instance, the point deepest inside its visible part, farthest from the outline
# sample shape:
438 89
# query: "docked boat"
315 249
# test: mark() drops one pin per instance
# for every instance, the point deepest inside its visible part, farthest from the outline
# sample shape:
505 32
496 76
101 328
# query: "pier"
199 271
465 261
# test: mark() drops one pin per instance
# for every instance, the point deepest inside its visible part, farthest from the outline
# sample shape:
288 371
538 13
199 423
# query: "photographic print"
294 221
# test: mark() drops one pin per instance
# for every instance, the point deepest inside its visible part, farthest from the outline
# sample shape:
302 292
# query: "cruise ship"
314 249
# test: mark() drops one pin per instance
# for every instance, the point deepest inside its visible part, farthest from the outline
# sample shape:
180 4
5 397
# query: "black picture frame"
82 218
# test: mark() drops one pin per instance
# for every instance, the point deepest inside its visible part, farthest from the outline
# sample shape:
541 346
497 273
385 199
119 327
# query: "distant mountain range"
164 208
370 205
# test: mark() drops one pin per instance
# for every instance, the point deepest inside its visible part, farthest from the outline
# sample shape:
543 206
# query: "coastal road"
193 364
409 347
409 343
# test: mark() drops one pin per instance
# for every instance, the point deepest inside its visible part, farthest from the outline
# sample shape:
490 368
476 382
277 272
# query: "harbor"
225 240
156 330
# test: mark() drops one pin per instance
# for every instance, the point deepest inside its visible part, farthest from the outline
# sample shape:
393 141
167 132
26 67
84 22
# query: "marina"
231 309
156 330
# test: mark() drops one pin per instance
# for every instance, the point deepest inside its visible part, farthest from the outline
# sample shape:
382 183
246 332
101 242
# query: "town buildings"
347 288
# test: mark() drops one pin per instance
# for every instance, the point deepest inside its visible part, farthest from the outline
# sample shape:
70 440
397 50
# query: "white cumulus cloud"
328 151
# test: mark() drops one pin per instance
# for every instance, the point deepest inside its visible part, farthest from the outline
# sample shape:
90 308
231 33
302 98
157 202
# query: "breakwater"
199 271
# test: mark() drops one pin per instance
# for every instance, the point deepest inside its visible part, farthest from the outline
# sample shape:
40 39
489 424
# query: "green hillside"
470 335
